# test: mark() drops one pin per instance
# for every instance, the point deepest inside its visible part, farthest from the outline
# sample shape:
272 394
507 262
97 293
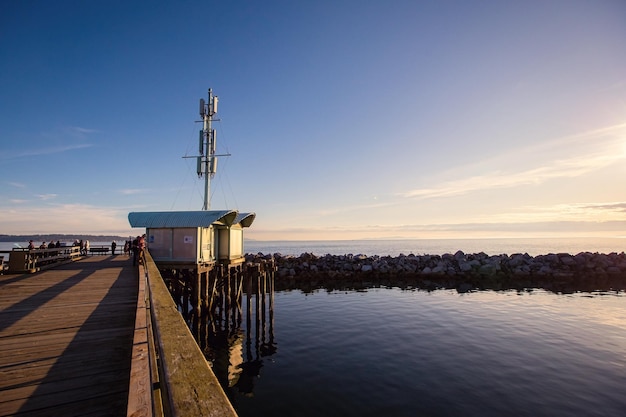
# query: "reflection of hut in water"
235 358
238 330
224 351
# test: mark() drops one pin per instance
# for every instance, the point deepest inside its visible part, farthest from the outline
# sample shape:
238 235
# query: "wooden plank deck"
66 339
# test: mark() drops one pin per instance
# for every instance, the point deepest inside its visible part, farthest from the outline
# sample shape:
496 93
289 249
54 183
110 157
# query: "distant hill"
62 238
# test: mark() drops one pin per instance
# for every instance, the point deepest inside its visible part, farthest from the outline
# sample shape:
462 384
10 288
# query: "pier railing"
32 260
169 374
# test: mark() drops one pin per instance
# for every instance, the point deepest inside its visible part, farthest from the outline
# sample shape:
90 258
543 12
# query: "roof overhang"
173 219
245 219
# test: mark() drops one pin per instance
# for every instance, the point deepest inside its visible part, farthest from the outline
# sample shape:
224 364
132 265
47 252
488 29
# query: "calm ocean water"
534 246
392 352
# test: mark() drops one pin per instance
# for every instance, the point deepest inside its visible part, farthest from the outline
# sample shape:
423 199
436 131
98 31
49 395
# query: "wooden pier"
66 337
100 336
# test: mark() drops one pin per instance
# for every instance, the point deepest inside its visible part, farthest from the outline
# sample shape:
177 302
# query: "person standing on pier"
135 249
113 246
141 244
31 245
86 247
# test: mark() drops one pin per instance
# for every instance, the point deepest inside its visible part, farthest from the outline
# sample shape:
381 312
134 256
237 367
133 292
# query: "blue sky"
345 119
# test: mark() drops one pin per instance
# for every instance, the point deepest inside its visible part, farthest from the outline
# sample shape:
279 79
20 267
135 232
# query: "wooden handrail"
186 383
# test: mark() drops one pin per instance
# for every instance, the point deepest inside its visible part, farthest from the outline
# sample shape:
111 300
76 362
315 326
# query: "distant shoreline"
60 237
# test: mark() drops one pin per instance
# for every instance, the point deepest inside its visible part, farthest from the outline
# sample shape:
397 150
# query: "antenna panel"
202 108
214 110
201 143
199 166
213 166
213 141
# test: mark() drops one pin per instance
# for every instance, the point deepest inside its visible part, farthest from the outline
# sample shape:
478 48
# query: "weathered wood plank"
140 386
22 375
47 339
99 380
140 401
105 405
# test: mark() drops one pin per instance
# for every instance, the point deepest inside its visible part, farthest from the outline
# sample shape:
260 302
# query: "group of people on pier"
134 247
137 246
51 245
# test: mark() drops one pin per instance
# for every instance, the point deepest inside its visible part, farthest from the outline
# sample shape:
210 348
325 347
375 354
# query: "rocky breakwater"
560 272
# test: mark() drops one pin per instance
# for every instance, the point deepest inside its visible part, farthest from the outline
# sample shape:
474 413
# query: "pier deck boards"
66 338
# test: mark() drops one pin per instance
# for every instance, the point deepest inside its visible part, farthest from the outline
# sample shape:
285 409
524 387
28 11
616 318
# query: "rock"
465 266
487 269
439 269
544 270
580 268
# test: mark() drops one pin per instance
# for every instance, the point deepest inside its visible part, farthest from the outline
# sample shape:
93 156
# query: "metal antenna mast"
207 161
207 158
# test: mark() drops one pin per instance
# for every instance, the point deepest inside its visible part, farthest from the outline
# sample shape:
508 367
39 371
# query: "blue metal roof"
157 219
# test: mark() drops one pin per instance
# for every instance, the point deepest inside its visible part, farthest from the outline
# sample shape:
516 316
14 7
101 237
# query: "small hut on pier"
200 238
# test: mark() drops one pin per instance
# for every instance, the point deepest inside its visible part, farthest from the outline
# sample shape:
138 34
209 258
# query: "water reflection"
235 329
235 326
460 283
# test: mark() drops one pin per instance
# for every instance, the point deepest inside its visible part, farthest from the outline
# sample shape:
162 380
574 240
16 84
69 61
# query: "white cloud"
573 167
47 196
80 131
494 229
588 152
577 212
132 191
43 151
61 136
352 208
65 218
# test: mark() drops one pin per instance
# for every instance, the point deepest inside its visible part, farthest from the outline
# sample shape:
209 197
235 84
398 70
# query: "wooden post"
249 318
195 297
205 290
185 290
227 300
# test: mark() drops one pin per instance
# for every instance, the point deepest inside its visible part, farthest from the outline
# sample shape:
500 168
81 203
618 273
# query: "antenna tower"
207 160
